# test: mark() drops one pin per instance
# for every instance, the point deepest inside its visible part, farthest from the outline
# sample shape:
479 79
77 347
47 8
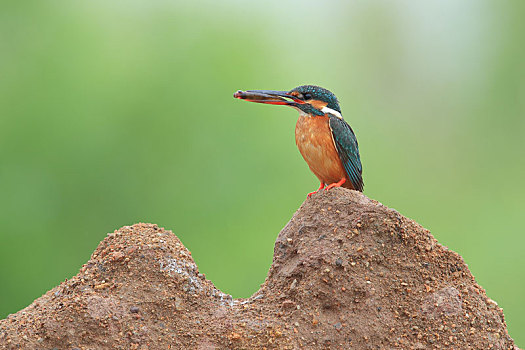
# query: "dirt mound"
347 273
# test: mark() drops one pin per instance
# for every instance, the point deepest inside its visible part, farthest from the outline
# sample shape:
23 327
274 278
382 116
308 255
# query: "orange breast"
314 140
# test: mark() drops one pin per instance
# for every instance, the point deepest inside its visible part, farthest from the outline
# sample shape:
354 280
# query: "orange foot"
336 184
319 189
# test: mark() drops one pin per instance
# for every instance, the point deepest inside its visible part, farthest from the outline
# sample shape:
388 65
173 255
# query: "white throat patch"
332 111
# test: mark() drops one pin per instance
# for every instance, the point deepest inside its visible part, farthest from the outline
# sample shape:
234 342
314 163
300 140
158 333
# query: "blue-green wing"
348 149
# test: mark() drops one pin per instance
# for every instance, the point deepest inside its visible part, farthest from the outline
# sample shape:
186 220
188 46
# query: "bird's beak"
268 97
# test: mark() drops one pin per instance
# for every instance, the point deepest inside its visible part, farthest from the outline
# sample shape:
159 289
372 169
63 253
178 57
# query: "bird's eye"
307 96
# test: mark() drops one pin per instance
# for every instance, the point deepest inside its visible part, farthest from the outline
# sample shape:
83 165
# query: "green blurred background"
113 113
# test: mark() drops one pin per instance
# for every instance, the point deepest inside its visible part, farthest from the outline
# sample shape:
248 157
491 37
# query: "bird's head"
307 99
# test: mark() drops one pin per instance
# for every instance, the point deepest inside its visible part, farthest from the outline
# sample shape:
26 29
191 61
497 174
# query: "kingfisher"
325 140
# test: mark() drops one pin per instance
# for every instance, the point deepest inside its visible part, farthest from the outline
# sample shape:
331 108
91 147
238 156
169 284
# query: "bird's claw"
319 189
336 184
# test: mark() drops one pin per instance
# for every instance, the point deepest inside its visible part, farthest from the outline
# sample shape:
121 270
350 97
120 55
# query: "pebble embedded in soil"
134 309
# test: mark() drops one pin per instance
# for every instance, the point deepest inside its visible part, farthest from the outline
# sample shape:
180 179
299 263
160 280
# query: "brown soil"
347 273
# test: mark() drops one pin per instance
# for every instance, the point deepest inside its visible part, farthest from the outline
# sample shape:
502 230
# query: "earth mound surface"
347 273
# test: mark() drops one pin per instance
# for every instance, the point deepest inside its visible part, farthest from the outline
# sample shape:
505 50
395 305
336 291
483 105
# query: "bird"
325 140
